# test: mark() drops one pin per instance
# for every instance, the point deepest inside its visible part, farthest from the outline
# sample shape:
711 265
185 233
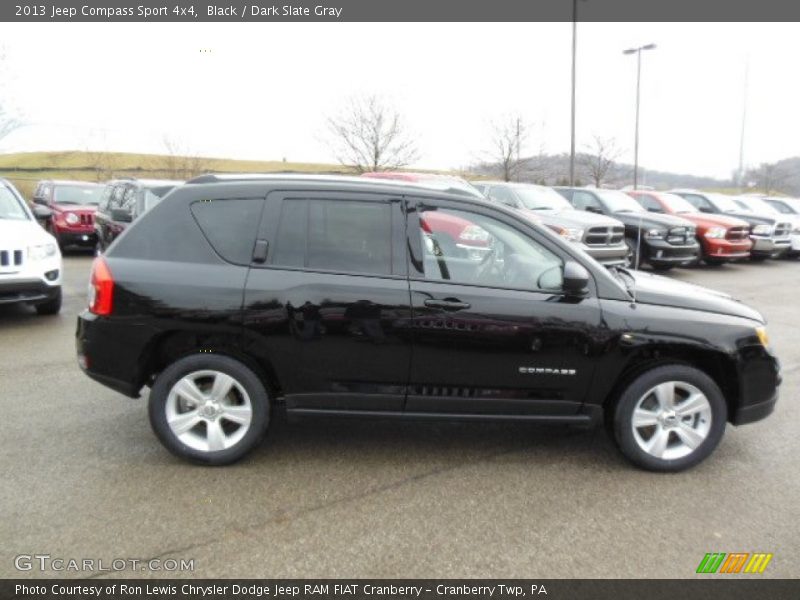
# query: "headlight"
41 251
571 234
762 229
474 233
761 332
654 234
72 218
715 232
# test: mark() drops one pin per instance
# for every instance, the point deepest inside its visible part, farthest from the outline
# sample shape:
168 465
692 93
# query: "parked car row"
91 215
638 227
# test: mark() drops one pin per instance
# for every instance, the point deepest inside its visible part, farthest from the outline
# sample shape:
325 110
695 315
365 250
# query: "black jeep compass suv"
239 295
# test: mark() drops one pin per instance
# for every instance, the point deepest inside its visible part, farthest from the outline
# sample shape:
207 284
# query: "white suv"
30 261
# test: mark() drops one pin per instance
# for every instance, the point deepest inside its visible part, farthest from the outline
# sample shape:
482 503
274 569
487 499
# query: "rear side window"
230 226
335 235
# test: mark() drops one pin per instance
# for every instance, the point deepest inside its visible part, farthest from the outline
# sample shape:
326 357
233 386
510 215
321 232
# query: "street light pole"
572 116
638 52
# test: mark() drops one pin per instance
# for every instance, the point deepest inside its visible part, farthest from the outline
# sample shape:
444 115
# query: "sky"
264 90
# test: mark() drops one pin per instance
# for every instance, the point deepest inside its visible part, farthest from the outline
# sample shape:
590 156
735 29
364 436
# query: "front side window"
541 198
619 201
347 236
503 196
649 203
584 201
470 248
781 207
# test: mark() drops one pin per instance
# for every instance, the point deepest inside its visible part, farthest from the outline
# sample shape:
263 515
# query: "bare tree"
599 158
98 158
369 135
180 161
509 137
768 176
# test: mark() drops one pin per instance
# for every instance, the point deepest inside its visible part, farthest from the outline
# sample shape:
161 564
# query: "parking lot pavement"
83 477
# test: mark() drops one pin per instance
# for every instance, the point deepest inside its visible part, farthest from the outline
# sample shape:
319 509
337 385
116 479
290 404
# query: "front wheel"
670 418
52 306
634 258
208 408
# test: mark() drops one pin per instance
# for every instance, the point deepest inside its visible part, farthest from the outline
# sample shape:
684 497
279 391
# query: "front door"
493 333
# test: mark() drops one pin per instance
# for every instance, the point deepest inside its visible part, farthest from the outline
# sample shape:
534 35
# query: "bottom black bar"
728 587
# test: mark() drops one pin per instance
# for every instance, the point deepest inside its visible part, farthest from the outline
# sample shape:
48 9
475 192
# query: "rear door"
493 334
327 300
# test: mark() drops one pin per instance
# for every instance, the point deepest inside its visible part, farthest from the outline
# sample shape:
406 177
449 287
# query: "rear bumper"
109 354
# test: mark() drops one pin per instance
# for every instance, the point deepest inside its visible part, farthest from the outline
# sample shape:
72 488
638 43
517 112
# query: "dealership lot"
84 478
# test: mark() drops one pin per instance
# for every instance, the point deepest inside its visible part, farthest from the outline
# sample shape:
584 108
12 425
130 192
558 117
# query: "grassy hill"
25 169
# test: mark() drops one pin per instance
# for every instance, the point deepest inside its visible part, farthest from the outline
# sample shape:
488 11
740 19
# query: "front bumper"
77 238
726 249
759 379
763 246
794 245
662 252
607 255
33 291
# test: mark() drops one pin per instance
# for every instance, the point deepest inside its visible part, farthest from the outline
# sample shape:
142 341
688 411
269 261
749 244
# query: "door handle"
447 304
260 251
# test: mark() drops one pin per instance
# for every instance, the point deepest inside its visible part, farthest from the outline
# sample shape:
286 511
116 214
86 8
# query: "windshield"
541 198
757 205
153 196
619 201
677 204
77 194
11 207
787 208
724 203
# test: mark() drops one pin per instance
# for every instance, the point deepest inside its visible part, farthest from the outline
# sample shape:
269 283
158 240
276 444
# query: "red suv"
73 204
721 238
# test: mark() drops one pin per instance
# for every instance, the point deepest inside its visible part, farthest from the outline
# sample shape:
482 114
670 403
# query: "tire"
676 443
50 307
714 262
184 412
634 260
662 268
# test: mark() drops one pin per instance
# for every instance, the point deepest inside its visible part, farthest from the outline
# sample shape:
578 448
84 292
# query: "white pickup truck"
30 261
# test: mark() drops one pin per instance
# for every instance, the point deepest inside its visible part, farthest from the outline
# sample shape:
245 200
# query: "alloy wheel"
208 410
671 420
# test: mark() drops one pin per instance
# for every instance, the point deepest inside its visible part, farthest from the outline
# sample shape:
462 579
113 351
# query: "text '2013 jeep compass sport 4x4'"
333 296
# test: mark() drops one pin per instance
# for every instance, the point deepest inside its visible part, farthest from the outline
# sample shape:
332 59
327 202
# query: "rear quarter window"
230 226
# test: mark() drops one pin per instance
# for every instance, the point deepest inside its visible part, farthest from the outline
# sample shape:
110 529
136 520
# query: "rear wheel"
670 418
209 409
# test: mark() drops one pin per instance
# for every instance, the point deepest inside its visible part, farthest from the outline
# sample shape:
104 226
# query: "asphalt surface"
84 478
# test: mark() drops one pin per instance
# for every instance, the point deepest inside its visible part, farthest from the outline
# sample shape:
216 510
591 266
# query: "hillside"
25 169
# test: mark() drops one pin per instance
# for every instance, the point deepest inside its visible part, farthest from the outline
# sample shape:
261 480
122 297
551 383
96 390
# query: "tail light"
101 288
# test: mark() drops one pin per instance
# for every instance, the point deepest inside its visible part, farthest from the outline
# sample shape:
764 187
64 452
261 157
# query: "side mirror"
121 216
42 213
594 209
705 209
40 201
575 280
655 210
